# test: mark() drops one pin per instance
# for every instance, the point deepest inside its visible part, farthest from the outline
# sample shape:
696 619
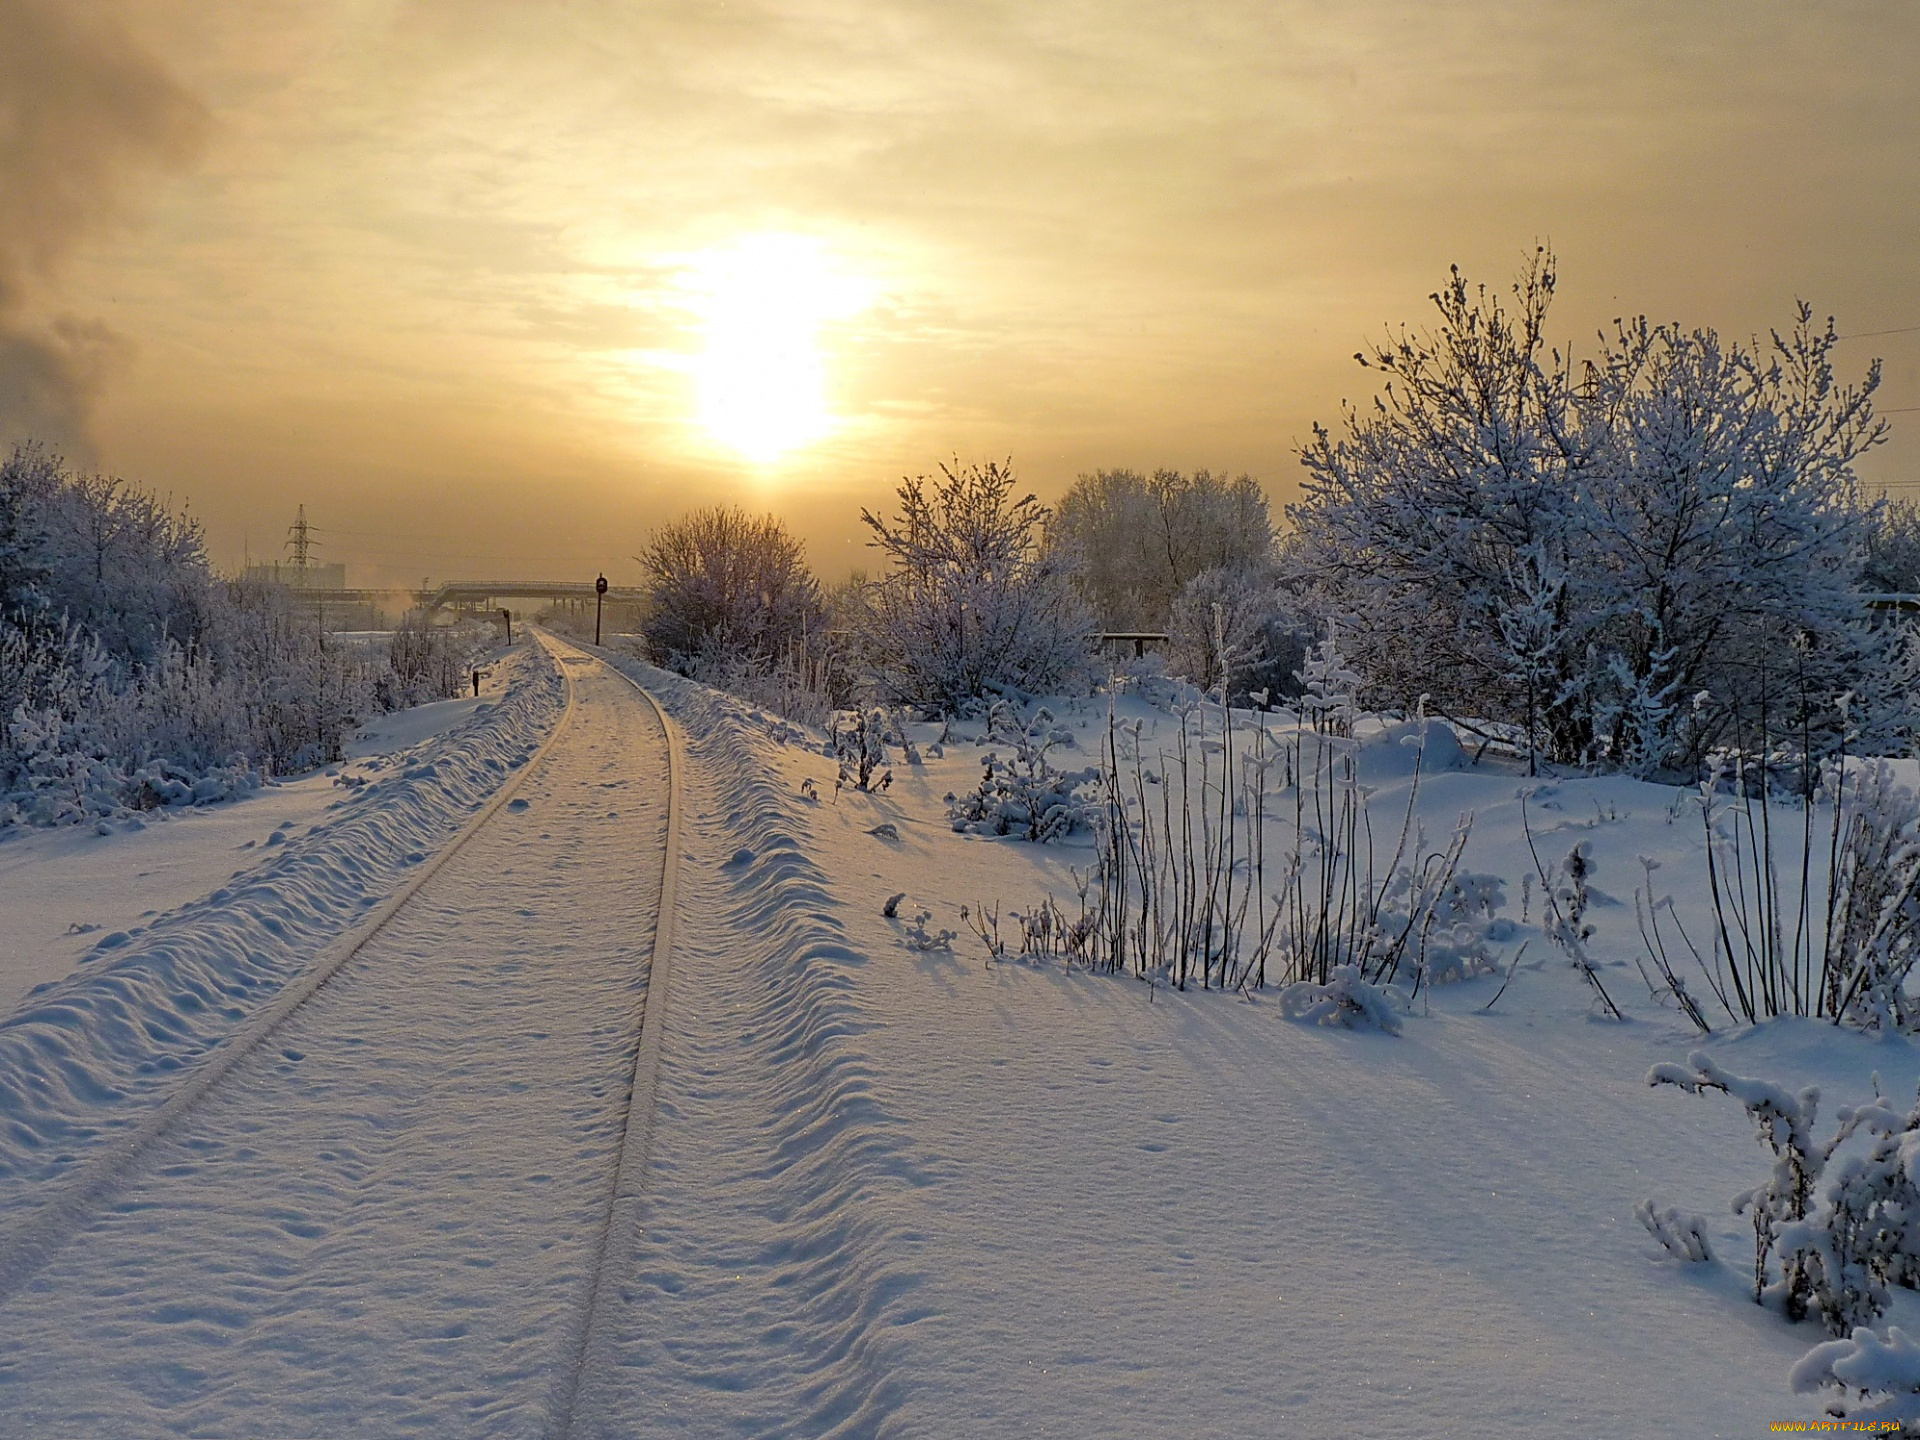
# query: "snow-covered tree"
1135 543
973 601
1893 549
131 677
1265 635
726 587
1641 557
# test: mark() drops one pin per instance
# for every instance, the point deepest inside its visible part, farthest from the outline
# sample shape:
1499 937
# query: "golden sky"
493 286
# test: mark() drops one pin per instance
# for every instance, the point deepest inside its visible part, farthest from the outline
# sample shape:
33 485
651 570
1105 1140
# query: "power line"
1870 334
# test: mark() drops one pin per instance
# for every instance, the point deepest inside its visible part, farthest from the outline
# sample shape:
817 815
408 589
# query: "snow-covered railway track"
401 1196
593 1350
31 1243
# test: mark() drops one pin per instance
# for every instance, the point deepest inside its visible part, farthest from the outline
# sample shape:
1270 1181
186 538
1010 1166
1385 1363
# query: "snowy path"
384 1220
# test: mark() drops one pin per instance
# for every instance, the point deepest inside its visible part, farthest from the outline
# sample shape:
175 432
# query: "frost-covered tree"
973 601
1893 549
1239 627
27 478
131 677
1640 557
1135 542
726 587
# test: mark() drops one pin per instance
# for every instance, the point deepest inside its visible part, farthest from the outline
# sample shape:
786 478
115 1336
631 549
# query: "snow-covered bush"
1813 914
131 678
857 739
972 603
1633 559
117 563
806 682
725 586
1878 1380
1682 1235
1238 627
1872 939
1564 899
1345 1000
1836 1251
1458 918
1025 796
426 662
1327 689
1893 549
1835 1258
1785 1122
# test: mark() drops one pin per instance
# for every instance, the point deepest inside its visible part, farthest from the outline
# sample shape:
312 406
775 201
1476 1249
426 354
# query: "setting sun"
761 379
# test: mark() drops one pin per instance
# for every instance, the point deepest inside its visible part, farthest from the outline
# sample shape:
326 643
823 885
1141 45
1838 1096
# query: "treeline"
1639 559
131 676
984 592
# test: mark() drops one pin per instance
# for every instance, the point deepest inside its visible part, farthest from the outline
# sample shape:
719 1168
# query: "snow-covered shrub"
1785 1122
1682 1235
1873 926
1878 1380
1892 564
1025 796
1616 556
1839 1250
130 677
973 603
857 739
115 562
1046 932
1563 903
1864 1234
427 662
1458 917
1239 627
1344 1000
722 586
806 682
1327 689
1813 915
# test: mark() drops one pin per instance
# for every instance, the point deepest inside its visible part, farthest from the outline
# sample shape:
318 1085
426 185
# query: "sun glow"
761 378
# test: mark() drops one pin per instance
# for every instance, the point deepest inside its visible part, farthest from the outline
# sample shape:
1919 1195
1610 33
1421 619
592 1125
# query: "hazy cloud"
84 113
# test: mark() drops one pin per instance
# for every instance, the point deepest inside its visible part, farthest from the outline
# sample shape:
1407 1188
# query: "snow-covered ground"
62 889
381 1221
888 1189
1078 1208
86 1056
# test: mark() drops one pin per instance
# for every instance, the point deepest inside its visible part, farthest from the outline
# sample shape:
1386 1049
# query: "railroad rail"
46 1230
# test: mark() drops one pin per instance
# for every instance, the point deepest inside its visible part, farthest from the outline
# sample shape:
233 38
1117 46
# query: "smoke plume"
85 114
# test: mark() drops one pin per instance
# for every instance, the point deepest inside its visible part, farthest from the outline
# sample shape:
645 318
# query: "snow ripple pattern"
771 1306
88 1057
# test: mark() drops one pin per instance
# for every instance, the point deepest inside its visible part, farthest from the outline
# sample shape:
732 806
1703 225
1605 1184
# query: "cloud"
85 114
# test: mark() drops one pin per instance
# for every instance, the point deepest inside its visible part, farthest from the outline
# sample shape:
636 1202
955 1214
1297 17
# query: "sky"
494 287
